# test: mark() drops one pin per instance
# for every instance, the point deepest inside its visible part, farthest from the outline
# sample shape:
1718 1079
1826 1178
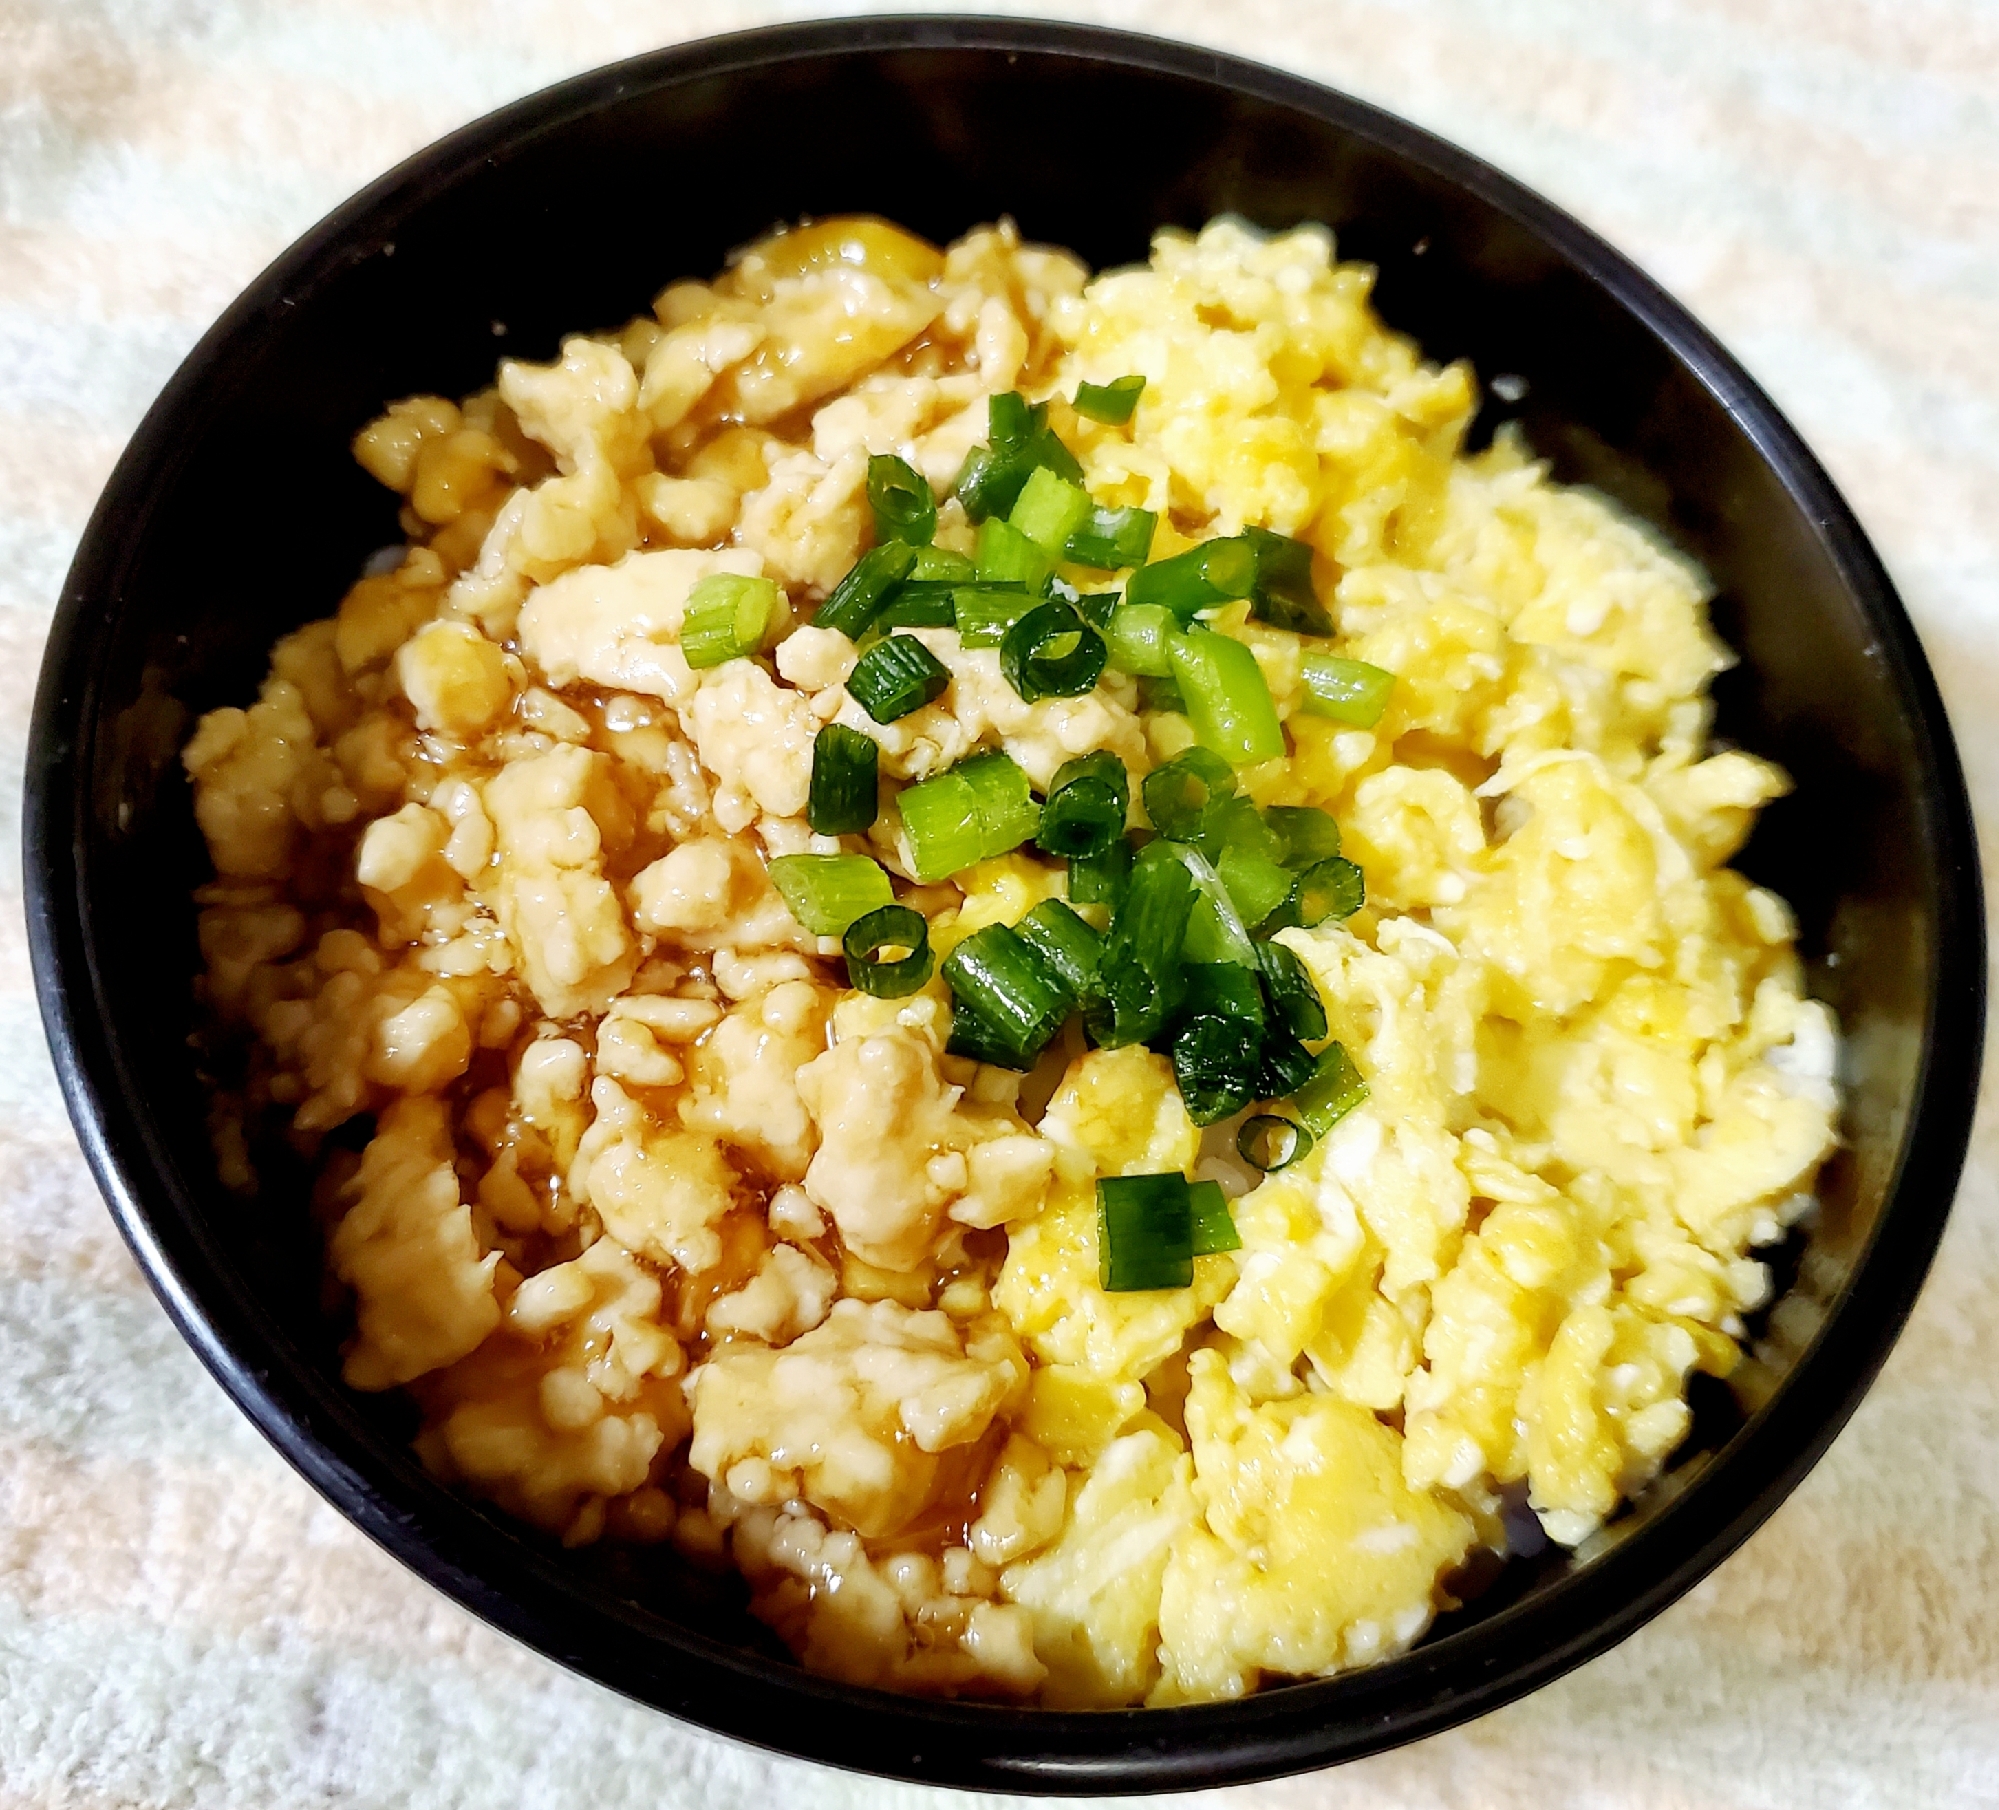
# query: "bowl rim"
491 1571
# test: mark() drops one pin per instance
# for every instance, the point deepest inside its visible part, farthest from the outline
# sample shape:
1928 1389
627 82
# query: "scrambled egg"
675 1237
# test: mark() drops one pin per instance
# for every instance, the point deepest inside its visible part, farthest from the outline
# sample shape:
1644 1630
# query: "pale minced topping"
674 1237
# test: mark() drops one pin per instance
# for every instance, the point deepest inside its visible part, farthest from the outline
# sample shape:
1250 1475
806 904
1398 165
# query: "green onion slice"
890 927
826 893
900 496
1228 698
1100 879
1110 403
1287 1065
1003 799
1225 990
1064 942
1051 652
1183 795
1145 1233
859 597
1010 987
1269 1143
972 1037
1215 1062
1256 887
940 820
1088 800
1292 992
939 565
1214 572
1333 888
1007 556
844 796
1305 834
727 617
1019 441
1334 1090
1283 596
1213 1223
1161 694
1140 979
1111 539
896 676
984 613
1139 637
915 605
1348 691
1048 510
1081 818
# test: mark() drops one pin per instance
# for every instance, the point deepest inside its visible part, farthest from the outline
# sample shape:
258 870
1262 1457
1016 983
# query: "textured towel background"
183 1622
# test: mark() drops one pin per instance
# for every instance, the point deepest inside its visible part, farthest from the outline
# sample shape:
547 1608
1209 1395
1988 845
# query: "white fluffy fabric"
182 1622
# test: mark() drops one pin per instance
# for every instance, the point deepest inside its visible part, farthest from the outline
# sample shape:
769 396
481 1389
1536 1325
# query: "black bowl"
236 513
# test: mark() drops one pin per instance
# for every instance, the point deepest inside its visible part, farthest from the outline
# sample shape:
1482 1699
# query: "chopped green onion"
1100 879
1348 691
1049 510
1088 800
1292 992
1256 886
892 927
1334 888
918 606
1183 795
1004 800
1051 652
1213 1224
859 597
972 1037
1140 978
727 617
1214 572
1225 990
826 893
1110 403
896 676
1305 834
1334 1090
1286 1065
939 565
1095 607
1081 818
940 818
1145 1233
1138 637
980 808
1269 1143
985 613
900 496
1111 539
1064 942
1161 694
1228 699
1020 441
1007 556
1215 931
1215 1064
1010 988
1239 824
1100 764
1284 596
844 796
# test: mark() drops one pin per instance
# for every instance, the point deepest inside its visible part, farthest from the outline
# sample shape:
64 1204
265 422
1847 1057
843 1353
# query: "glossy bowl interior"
237 513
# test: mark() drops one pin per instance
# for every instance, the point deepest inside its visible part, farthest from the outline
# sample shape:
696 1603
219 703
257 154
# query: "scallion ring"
1268 1143
892 927
1051 652
904 506
896 676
